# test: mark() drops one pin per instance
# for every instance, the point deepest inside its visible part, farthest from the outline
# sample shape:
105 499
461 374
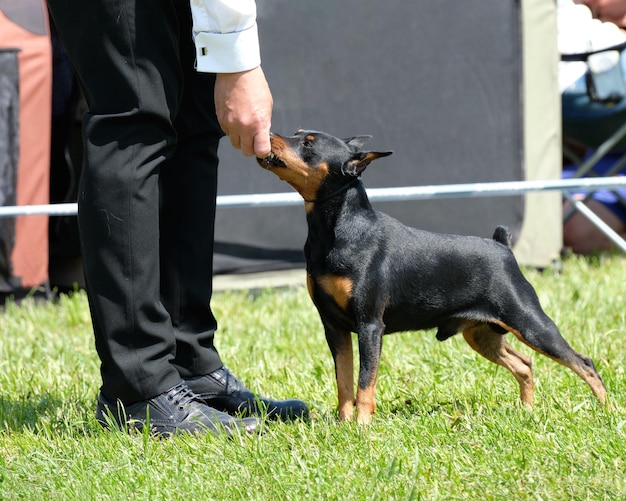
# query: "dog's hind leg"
494 347
543 336
340 344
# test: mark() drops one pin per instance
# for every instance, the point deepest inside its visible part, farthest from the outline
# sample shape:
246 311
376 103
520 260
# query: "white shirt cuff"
227 52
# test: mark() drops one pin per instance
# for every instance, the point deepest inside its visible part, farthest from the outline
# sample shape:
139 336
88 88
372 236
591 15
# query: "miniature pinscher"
370 274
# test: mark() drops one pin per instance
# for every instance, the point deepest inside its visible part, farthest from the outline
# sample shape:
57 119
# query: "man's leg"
127 59
131 75
189 190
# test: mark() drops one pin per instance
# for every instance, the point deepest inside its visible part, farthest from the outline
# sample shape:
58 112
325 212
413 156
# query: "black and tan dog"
368 273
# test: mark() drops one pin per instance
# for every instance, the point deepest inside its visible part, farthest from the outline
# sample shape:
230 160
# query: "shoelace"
232 383
181 395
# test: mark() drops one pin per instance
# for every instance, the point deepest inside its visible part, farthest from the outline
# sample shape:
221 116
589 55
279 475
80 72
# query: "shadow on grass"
409 407
38 413
26 410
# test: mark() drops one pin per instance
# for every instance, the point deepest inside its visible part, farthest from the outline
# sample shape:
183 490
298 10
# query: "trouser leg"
189 191
126 53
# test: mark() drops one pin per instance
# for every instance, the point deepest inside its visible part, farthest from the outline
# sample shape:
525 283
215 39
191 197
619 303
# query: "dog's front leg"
370 346
340 344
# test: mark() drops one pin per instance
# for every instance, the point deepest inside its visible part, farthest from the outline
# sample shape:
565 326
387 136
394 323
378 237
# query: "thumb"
262 146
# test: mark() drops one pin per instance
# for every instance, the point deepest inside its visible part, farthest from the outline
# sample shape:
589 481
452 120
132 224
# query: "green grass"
448 423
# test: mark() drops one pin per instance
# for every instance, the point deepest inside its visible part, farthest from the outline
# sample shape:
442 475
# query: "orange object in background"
24 26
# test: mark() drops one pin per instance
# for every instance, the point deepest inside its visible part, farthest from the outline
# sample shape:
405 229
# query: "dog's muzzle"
271 160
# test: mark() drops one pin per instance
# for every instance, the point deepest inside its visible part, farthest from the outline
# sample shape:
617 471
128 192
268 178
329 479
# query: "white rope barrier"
497 189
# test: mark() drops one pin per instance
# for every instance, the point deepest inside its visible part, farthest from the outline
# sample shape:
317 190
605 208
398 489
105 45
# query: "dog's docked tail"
502 235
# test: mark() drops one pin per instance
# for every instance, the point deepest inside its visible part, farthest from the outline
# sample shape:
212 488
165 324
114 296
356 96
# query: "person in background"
579 233
582 236
613 11
163 81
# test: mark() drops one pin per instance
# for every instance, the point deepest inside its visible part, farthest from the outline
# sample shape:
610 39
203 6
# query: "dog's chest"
337 287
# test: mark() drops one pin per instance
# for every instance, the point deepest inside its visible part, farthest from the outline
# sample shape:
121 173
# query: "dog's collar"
338 191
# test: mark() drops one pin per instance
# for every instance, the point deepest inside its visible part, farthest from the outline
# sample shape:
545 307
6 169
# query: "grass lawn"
448 424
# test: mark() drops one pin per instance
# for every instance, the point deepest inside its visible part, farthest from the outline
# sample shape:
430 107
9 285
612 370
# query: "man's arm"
227 43
225 34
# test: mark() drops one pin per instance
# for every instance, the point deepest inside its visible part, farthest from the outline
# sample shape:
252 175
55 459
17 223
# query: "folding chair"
595 121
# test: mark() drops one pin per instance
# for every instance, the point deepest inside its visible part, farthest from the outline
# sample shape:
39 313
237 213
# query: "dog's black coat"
370 274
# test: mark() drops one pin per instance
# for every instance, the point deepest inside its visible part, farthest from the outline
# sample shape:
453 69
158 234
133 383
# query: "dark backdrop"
437 82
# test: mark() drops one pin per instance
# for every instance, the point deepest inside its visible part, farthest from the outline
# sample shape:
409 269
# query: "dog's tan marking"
344 367
339 288
366 403
310 137
344 371
305 179
585 373
494 347
309 286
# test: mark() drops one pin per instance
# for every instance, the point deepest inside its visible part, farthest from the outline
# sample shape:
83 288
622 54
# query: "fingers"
262 146
251 145
234 140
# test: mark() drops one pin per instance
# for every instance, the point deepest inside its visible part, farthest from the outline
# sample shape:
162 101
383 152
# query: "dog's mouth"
270 161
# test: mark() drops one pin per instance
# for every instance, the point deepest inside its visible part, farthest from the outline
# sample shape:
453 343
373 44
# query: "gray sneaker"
178 410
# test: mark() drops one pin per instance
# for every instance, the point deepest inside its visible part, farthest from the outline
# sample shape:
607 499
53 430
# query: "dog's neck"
321 198
332 222
324 212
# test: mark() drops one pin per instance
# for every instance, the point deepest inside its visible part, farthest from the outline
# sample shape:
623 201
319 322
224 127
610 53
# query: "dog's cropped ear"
359 161
357 142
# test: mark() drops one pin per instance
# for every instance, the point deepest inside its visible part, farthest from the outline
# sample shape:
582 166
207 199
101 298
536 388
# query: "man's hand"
243 103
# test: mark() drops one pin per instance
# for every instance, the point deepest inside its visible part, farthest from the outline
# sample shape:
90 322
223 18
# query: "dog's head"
316 163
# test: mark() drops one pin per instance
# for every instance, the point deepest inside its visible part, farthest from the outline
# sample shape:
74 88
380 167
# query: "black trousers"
147 192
